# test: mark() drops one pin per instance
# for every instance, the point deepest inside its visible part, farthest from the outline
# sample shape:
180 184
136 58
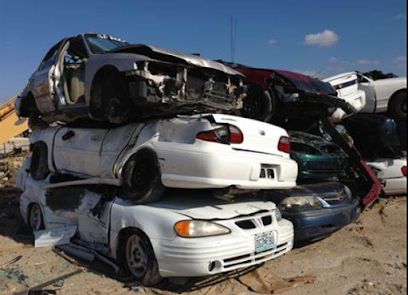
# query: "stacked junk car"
166 164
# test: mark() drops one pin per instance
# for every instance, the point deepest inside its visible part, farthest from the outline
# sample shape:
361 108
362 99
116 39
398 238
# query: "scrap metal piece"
54 236
14 260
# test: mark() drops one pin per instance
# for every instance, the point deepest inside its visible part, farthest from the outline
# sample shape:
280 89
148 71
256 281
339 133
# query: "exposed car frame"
108 79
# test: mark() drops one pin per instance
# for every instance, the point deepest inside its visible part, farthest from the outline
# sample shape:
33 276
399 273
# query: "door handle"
68 135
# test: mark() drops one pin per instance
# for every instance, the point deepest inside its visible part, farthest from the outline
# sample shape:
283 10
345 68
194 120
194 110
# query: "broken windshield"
101 43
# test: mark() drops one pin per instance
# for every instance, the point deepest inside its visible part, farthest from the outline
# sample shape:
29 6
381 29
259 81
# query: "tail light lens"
236 135
284 144
227 134
404 170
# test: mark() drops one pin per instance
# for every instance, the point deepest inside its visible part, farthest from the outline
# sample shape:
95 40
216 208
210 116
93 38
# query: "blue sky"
317 37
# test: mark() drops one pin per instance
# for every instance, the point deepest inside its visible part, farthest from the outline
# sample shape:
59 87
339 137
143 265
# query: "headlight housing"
348 192
278 214
301 202
199 229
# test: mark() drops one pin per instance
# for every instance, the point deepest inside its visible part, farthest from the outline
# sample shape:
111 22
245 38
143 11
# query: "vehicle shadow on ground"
11 223
194 284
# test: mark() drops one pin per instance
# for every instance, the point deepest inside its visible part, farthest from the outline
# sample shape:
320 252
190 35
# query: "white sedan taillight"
226 134
404 170
284 144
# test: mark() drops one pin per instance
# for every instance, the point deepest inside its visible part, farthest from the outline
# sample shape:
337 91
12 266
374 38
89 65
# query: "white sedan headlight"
300 202
199 228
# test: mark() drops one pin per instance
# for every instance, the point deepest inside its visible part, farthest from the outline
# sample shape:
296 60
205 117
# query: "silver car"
108 79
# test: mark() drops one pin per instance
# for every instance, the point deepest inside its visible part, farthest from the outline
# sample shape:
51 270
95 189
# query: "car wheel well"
28 106
109 99
103 71
29 207
395 107
124 232
39 169
95 103
396 93
259 104
141 177
151 276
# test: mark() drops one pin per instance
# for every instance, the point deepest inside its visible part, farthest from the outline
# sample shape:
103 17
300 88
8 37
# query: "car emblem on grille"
261 132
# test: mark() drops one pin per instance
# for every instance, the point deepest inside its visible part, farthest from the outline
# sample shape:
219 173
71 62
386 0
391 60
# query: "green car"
318 159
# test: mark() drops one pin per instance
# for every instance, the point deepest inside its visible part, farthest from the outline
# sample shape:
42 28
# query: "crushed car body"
376 138
108 79
178 236
371 96
192 152
276 95
318 158
374 135
316 210
392 173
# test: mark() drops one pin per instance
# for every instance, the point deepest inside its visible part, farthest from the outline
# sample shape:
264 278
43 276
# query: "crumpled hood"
318 190
156 53
307 83
210 208
324 190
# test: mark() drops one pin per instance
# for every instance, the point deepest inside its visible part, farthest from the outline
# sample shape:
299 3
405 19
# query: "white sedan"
208 151
371 96
392 173
180 236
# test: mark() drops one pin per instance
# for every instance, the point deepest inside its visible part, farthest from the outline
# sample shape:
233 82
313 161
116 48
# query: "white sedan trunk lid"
259 136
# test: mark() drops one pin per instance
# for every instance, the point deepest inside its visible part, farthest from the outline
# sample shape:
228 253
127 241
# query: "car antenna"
233 39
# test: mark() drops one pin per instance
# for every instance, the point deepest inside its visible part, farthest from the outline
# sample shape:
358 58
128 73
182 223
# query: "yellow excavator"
10 124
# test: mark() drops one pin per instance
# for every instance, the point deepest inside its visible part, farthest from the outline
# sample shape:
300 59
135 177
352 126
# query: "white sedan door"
367 85
78 151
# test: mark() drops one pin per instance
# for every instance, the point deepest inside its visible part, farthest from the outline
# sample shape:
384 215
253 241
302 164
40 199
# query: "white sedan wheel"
136 256
36 219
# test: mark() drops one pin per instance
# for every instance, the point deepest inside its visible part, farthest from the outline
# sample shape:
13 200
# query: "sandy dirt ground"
366 257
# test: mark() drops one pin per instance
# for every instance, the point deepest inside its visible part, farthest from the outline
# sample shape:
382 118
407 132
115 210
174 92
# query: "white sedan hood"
210 208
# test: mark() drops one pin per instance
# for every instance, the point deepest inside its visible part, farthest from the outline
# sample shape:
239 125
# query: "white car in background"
180 236
392 173
210 151
371 96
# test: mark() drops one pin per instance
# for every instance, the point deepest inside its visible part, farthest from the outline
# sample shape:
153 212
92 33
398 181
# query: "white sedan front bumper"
192 168
211 255
394 185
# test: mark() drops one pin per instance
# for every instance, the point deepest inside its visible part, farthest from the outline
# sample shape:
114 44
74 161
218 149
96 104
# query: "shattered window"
103 43
50 56
303 148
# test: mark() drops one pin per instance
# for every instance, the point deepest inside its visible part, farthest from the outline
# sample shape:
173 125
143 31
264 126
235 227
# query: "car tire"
35 218
136 257
259 104
110 100
142 178
39 161
398 106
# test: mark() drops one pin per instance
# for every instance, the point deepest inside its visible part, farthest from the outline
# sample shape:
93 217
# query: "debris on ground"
54 236
264 281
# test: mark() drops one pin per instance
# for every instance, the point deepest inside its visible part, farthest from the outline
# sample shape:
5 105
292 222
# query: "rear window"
303 148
